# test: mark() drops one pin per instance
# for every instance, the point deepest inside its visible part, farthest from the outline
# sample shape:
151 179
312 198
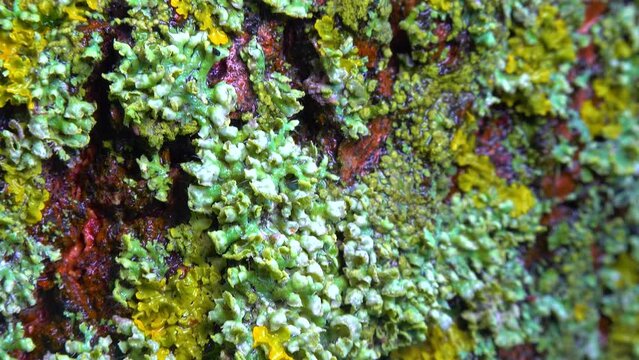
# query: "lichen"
488 154
162 82
138 263
156 175
173 312
348 89
228 15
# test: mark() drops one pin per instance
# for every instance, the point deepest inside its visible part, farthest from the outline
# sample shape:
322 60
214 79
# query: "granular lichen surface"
319 179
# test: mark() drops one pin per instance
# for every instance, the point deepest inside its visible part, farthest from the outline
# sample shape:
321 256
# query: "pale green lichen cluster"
135 344
138 263
429 255
13 339
59 118
292 8
276 96
162 82
347 90
156 175
85 347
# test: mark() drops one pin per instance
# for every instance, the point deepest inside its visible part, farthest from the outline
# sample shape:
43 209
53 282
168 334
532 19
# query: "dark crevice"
298 49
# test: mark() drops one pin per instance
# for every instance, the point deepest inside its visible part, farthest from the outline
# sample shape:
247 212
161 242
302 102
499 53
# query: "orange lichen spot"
273 341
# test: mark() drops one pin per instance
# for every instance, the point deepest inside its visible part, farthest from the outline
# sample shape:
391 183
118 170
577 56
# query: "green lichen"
89 346
13 339
454 244
162 82
60 119
292 8
156 175
348 89
22 260
135 344
138 263
276 96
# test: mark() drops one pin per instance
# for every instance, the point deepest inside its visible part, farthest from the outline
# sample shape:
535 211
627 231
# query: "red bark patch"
594 10
558 186
385 79
557 215
233 71
519 352
369 49
358 156
489 143
272 45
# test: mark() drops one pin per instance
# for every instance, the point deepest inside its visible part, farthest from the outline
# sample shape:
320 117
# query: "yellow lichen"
539 59
94 4
522 198
274 342
624 331
602 119
204 16
441 5
216 35
479 174
174 313
18 52
535 54
182 7
580 311
439 346
27 192
75 13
